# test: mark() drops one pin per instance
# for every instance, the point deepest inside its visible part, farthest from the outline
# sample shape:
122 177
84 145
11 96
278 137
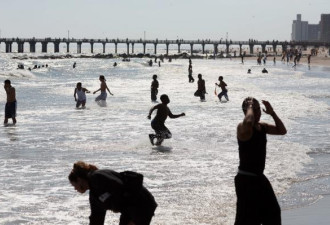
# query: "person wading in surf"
158 123
256 200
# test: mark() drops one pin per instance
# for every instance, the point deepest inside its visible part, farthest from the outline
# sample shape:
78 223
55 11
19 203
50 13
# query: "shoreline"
320 60
316 213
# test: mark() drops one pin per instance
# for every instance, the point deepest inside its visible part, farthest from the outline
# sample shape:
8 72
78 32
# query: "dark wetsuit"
256 200
108 191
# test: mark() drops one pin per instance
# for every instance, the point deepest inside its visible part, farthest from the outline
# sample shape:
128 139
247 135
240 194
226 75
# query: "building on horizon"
299 29
325 28
314 32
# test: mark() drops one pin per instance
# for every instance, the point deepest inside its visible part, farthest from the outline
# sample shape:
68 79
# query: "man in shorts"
103 89
11 104
158 123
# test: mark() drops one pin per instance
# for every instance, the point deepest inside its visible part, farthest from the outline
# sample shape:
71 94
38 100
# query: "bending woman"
119 192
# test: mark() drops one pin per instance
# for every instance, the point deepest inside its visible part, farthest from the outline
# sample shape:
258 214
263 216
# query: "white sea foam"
191 175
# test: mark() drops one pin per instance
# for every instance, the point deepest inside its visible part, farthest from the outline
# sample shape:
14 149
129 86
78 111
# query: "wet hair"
102 77
163 97
78 84
221 77
154 76
246 101
7 82
199 75
81 170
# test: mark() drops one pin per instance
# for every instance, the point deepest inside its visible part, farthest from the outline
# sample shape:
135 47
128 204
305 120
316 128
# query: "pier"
133 42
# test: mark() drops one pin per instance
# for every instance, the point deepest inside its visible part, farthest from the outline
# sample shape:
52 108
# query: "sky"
163 19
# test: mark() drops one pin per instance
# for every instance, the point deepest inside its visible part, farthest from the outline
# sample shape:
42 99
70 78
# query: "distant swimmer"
158 123
309 59
115 64
159 63
11 104
80 92
74 65
201 91
249 71
224 90
120 192
264 71
154 88
150 62
103 89
256 200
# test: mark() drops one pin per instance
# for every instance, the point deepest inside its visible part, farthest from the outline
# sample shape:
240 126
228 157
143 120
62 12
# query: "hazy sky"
171 19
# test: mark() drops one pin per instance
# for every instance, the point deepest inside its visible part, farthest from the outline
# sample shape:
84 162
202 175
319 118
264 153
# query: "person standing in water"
103 89
154 88
11 104
201 91
80 92
190 72
224 90
256 200
119 192
158 123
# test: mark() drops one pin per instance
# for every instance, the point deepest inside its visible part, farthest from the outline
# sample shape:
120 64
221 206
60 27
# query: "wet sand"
320 60
317 213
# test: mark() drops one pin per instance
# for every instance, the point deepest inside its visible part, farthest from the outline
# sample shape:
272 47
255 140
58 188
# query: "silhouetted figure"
20 67
11 103
249 71
224 90
309 59
74 65
256 200
201 91
190 71
115 64
158 123
154 88
119 192
264 70
150 62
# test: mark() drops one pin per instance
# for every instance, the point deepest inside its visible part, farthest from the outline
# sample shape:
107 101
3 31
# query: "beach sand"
320 60
317 213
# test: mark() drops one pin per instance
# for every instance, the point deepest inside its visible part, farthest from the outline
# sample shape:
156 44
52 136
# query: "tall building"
314 32
299 29
325 27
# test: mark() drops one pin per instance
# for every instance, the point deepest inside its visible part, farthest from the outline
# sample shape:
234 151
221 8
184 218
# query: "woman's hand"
269 109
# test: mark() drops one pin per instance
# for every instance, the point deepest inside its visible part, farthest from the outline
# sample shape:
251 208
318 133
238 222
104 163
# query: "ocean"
192 174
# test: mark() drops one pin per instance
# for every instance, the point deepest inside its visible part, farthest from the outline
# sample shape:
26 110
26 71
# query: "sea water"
192 174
